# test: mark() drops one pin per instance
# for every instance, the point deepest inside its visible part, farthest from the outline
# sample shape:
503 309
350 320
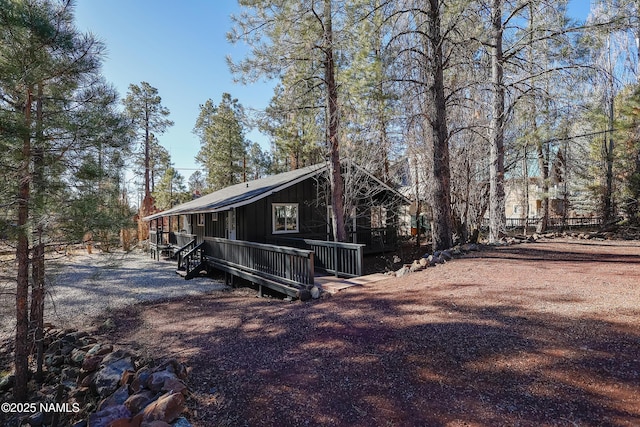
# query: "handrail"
283 264
341 259
178 253
186 259
194 250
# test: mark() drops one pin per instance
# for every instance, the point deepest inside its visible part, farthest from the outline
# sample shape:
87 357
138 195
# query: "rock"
127 377
403 271
446 255
139 401
77 356
396 259
7 382
100 350
107 379
155 424
91 363
424 262
303 294
315 292
140 379
166 408
157 379
105 417
36 420
174 385
69 373
117 355
470 247
117 398
182 422
416 266
82 423
122 422
180 369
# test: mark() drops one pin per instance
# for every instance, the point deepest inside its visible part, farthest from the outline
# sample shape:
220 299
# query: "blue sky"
180 49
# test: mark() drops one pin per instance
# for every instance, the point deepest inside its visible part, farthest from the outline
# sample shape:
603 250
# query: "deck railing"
290 266
181 239
341 259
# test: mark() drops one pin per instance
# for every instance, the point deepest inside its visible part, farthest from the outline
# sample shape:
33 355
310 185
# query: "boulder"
315 292
108 415
166 408
137 402
157 380
140 379
107 379
91 363
117 398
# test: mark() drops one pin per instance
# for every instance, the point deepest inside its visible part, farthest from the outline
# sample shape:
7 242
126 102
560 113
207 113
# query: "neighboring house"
281 210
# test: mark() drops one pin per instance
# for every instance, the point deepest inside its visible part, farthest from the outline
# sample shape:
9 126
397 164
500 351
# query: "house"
264 218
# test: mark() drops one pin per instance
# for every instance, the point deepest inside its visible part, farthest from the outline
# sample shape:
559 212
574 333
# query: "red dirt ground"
542 334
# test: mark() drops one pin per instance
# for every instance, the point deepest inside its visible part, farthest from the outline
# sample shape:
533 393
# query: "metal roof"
243 193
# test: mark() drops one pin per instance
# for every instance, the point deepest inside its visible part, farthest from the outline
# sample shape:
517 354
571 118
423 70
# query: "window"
378 217
285 218
201 220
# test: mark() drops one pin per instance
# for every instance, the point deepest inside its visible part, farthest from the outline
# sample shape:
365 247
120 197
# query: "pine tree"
49 82
149 118
223 145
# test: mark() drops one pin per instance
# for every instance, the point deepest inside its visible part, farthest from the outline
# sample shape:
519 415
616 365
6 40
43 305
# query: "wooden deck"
285 269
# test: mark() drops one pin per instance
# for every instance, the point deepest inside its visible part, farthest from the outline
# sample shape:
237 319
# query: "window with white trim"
284 218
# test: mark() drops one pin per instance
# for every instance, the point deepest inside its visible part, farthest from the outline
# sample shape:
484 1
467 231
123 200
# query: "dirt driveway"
544 334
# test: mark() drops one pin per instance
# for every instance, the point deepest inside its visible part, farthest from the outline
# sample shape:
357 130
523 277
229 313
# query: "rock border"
97 386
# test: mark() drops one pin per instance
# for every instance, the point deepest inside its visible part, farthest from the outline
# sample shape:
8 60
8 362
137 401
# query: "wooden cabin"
286 212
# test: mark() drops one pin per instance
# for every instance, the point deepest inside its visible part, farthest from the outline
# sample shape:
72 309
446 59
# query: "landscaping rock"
107 379
403 271
166 408
315 292
139 401
303 294
108 415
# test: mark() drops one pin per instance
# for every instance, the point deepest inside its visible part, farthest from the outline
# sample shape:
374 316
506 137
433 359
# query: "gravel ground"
534 335
83 286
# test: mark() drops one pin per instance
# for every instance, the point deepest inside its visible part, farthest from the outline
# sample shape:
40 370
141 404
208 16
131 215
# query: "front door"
231 224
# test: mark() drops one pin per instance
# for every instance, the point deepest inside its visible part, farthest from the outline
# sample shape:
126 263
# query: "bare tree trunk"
543 165
525 189
496 155
335 172
21 360
38 258
442 224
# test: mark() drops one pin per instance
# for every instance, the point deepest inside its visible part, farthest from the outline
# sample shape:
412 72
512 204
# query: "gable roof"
251 191
243 193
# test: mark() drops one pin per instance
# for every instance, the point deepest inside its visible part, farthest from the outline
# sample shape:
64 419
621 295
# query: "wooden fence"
554 222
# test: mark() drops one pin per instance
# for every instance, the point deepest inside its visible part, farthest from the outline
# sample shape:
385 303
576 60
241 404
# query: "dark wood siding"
216 228
254 222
